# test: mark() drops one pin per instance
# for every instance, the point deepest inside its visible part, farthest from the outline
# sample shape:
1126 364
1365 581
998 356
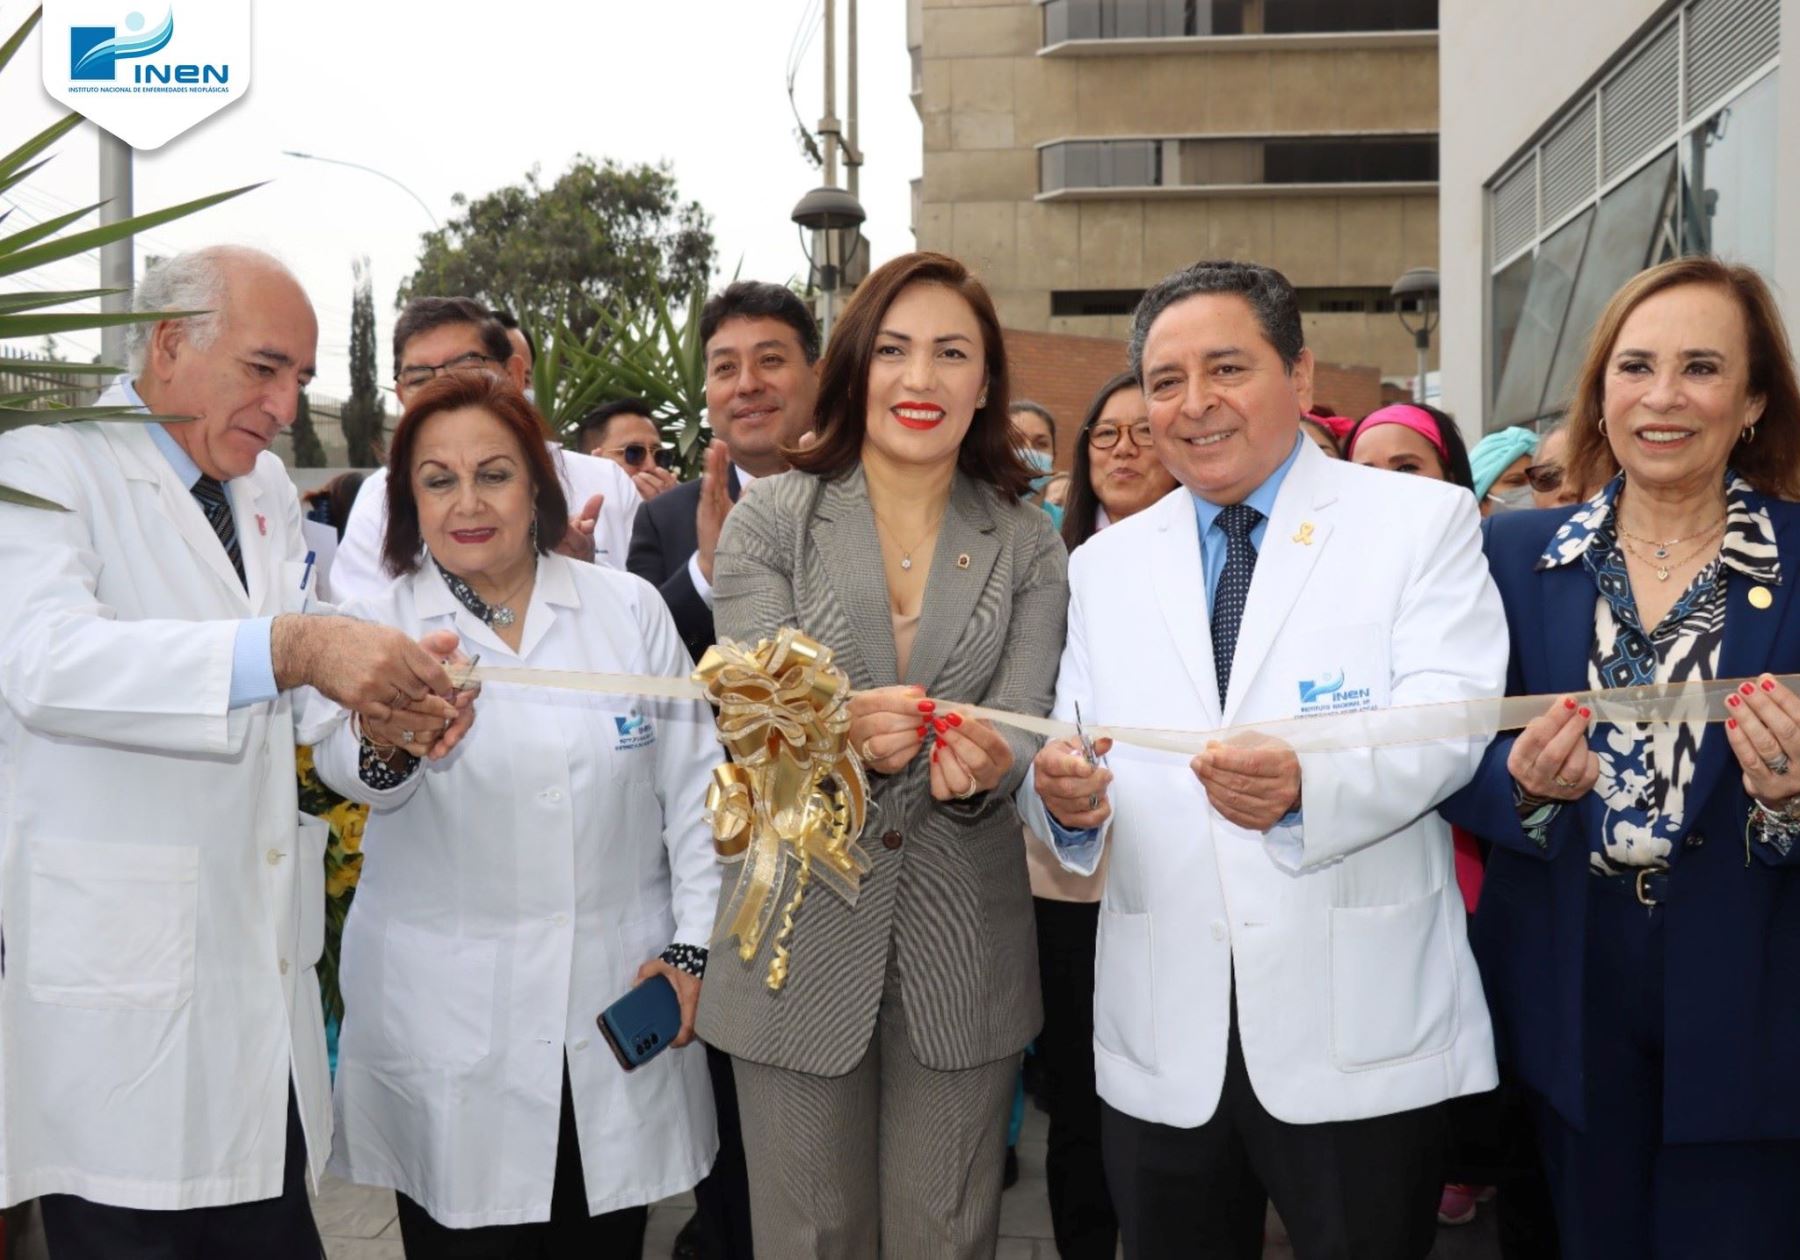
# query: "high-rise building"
1076 151
1584 142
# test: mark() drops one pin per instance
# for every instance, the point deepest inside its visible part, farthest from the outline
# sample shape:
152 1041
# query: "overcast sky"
466 97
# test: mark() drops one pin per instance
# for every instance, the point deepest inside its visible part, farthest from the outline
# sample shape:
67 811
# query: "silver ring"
973 787
867 756
1779 765
406 737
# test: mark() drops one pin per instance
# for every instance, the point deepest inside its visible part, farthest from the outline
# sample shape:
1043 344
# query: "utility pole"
116 258
852 149
830 130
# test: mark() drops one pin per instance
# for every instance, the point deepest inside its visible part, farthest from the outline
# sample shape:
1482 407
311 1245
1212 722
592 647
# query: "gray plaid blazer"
948 894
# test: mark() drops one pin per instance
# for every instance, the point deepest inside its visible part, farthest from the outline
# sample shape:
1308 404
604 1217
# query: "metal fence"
66 390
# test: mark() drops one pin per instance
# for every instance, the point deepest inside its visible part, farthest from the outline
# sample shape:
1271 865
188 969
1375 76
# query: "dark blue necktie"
1235 522
211 495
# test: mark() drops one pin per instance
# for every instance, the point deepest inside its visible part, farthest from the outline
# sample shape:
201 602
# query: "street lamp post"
1418 286
358 166
830 222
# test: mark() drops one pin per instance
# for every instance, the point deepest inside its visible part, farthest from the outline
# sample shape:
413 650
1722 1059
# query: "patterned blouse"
1647 769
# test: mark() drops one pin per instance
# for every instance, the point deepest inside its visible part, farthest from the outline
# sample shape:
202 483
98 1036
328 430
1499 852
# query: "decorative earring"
1749 435
982 401
1602 426
534 533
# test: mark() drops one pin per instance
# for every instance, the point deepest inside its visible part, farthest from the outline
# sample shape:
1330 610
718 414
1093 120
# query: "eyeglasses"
1103 437
1545 478
418 373
635 453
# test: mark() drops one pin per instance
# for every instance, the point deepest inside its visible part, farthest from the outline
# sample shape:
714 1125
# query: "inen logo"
94 52
1311 689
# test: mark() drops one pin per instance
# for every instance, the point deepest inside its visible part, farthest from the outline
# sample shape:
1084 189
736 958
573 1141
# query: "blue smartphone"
640 1025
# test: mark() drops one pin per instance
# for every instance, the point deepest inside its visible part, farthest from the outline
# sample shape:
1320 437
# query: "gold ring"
867 756
1562 783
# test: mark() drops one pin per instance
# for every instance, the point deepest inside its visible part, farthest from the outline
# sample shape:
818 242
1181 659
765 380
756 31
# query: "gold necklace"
905 551
1662 564
1662 548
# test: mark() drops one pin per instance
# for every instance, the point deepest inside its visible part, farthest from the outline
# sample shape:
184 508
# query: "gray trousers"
893 1159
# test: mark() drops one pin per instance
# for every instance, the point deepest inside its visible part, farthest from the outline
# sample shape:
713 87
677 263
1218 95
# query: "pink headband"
1409 417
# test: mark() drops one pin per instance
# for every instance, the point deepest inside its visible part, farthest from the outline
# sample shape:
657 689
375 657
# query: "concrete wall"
989 99
1504 71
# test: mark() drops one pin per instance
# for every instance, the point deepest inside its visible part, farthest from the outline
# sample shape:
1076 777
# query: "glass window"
1520 395
1634 220
1153 19
1728 181
1508 305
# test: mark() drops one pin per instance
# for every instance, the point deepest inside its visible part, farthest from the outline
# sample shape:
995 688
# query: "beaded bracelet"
688 958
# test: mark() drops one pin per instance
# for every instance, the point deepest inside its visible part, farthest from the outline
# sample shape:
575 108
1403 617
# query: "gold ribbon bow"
794 790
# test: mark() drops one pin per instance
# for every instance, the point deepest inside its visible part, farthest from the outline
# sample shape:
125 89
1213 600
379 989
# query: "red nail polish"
1731 722
1768 685
926 706
934 753
1746 689
1568 702
940 725
1733 701
955 719
1587 712
921 732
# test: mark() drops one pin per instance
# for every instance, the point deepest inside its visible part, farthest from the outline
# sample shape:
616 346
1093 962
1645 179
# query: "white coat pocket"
113 925
1393 982
312 835
437 996
1125 989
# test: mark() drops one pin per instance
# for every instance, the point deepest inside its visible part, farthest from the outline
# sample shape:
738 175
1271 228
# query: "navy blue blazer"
1732 931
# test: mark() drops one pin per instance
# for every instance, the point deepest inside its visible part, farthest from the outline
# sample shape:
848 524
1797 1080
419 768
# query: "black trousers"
1346 1190
570 1232
281 1228
1081 1210
1621 1191
722 1199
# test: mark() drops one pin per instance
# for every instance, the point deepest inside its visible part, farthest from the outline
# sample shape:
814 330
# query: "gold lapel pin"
962 561
1760 597
1304 537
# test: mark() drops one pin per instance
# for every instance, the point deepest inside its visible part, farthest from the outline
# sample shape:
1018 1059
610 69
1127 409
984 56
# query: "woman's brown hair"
841 417
403 548
1769 461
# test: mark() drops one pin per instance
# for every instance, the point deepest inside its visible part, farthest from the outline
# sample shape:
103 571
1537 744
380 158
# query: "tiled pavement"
360 1224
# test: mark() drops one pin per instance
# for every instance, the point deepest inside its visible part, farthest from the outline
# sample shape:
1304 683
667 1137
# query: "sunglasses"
1545 478
635 453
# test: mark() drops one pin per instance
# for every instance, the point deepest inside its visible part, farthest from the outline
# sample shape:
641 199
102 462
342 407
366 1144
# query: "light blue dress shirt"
1212 567
252 658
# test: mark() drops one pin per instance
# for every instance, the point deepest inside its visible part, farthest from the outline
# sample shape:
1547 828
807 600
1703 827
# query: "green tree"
309 452
602 237
365 411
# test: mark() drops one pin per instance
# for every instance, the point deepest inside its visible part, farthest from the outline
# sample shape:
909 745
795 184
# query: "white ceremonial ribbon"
1684 703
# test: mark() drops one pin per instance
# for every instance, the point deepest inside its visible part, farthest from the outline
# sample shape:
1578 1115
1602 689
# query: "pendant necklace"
906 561
1662 548
1662 564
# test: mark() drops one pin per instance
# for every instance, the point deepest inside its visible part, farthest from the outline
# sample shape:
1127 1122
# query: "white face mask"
1515 500
531 395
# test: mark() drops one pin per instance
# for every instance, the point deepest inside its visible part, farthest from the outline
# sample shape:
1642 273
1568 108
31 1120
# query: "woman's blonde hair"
1770 460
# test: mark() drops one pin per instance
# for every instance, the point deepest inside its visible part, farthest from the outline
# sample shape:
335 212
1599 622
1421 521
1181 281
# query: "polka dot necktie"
1235 522
211 495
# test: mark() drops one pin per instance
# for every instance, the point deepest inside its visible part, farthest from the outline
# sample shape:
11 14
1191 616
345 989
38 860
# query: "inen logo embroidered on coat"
635 731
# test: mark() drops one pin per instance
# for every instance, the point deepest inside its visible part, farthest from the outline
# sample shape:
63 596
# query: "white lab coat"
1357 994
161 900
356 571
509 894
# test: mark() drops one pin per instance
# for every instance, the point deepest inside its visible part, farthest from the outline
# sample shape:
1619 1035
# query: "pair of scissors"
1087 750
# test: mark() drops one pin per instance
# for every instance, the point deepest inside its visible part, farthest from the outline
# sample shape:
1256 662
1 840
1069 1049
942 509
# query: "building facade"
1076 151
1582 143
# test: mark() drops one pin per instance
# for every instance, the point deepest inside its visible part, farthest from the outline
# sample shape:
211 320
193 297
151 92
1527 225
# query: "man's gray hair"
193 281
1268 292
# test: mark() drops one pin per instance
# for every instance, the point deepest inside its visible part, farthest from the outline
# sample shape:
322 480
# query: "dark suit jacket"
662 541
1732 921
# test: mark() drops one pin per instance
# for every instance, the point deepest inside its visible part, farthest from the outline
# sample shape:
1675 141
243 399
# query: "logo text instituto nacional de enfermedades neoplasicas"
146 76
